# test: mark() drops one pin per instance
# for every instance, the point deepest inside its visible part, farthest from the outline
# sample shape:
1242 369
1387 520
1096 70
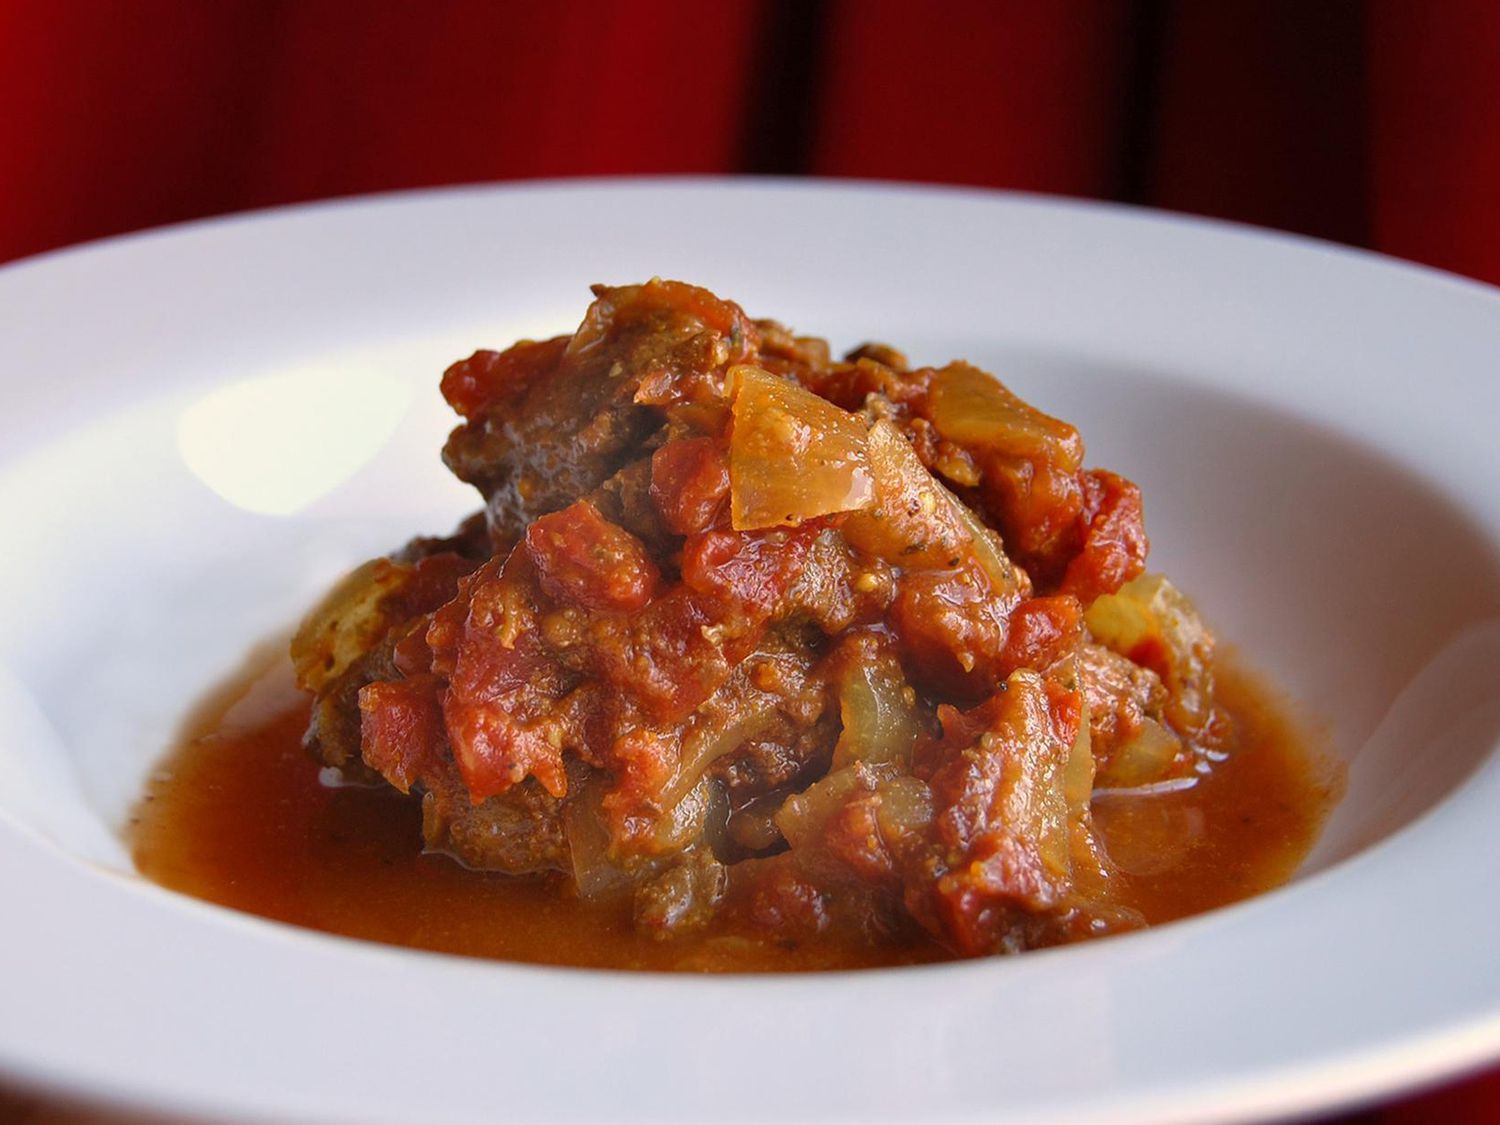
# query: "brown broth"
1241 830
238 816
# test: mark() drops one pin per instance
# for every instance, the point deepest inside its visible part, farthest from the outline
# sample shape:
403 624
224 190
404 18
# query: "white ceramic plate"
203 426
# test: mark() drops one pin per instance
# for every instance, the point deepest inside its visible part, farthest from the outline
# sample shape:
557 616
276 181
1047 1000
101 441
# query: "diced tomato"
1036 508
401 729
487 377
681 648
495 749
690 483
747 569
951 629
853 835
581 557
1114 545
1064 710
499 709
1000 823
642 763
670 658
977 907
1042 631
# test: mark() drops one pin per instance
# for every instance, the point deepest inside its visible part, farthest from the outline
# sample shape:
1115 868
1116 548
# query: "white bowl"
205 425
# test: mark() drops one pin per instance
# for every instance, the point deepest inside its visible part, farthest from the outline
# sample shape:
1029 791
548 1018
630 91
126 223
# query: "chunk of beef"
1121 696
582 409
519 832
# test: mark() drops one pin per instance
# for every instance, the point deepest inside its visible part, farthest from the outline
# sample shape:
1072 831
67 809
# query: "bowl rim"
139 913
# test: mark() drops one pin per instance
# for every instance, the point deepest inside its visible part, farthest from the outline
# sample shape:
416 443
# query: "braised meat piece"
765 642
548 422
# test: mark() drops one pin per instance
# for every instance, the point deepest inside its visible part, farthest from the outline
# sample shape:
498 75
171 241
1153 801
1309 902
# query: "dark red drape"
1372 123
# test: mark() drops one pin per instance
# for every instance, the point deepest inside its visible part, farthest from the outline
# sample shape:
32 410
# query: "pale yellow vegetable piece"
792 455
879 712
1148 617
1147 757
910 522
974 410
346 624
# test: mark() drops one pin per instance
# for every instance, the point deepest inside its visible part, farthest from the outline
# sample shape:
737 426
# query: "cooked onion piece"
975 410
909 520
878 709
792 455
1152 623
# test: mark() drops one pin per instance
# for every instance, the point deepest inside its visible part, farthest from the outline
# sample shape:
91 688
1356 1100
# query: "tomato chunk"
690 483
401 727
1115 545
1043 631
581 557
488 377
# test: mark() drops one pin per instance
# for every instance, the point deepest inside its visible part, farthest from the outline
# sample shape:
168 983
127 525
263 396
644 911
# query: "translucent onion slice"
905 809
1153 623
986 546
974 410
1146 758
915 521
723 724
792 455
903 806
596 873
802 817
879 713
910 522
1078 773
1029 797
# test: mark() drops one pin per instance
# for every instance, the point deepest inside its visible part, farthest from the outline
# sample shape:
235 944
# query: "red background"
1371 123
1376 124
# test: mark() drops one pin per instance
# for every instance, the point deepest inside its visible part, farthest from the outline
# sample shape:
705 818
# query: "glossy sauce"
238 816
